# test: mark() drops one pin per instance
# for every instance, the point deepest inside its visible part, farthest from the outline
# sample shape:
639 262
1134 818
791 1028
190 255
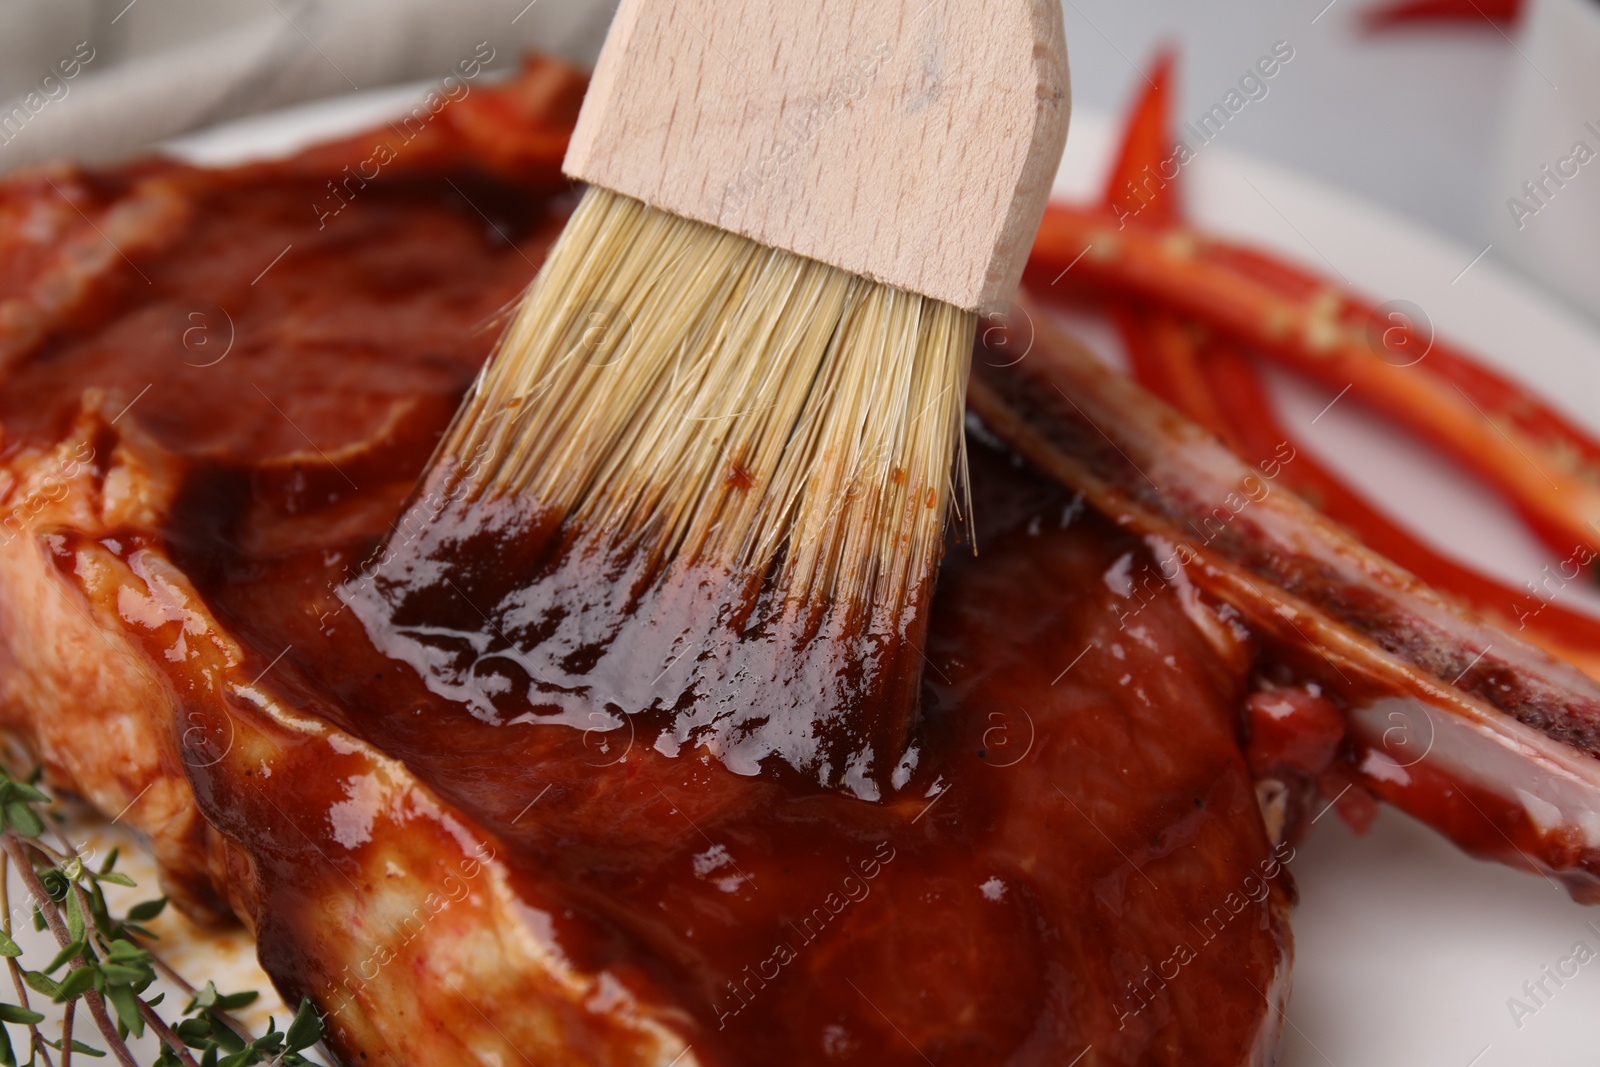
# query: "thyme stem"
173 1041
39 1045
66 1032
97 1006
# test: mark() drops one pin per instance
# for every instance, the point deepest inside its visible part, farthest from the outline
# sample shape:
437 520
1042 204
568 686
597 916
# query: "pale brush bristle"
698 397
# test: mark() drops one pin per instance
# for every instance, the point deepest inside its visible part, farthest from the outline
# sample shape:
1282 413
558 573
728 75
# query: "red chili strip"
1412 12
1136 187
1547 469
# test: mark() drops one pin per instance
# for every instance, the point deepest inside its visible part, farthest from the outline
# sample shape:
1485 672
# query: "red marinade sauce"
1074 856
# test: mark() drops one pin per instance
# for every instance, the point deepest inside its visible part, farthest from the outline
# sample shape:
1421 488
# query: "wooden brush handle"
910 141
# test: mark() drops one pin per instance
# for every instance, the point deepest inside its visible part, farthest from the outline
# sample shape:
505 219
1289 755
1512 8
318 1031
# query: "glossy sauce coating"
1051 843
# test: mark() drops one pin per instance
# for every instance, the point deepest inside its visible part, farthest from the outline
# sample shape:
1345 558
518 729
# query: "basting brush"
699 493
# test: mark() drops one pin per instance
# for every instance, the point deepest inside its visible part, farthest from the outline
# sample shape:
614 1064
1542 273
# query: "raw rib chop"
1489 740
202 440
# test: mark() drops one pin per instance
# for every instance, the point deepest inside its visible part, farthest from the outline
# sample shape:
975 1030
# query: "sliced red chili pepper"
1138 189
1143 363
1411 12
1499 398
1547 469
1138 186
1161 353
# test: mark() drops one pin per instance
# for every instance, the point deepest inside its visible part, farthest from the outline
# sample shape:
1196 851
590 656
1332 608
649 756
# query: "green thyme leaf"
9 947
124 1000
23 819
235 1001
11 1013
70 952
74 919
124 951
194 1032
204 997
41 983
306 1030
121 974
77 983
269 1043
147 910
77 1046
28 794
104 924
55 884
224 1037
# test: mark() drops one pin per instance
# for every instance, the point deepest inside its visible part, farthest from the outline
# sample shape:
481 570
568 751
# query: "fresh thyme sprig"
104 963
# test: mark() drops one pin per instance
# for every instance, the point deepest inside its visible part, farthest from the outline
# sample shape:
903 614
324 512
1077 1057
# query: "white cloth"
101 79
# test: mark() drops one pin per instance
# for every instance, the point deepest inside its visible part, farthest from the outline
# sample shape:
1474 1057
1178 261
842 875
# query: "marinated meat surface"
207 432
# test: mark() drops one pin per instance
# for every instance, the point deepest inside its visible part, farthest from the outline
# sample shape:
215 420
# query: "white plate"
1407 950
